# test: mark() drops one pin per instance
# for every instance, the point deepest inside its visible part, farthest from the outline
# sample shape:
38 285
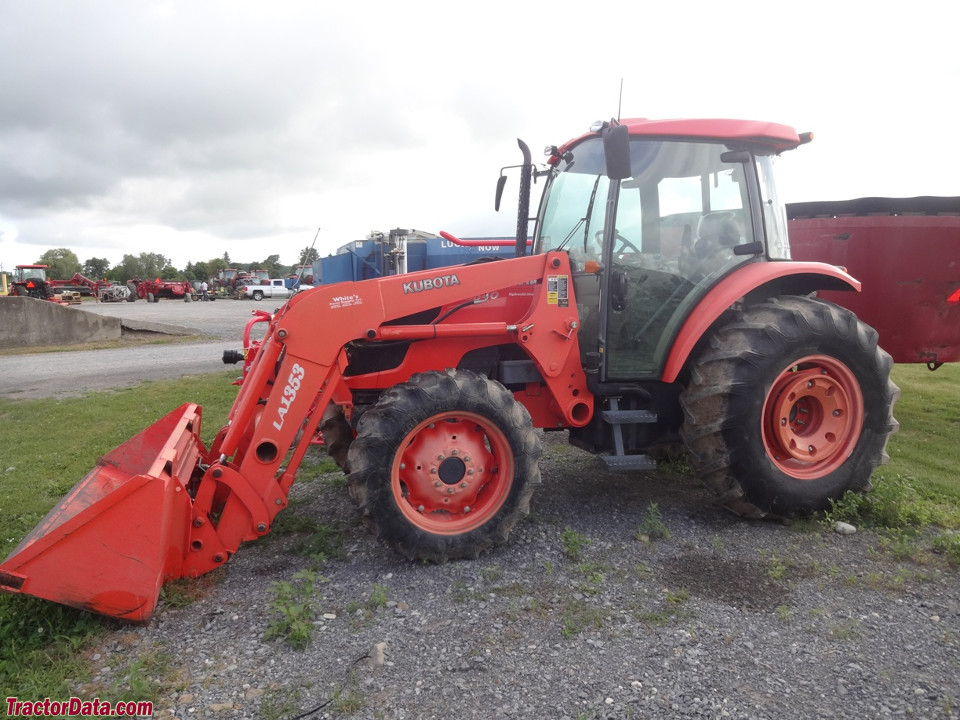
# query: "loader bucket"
121 532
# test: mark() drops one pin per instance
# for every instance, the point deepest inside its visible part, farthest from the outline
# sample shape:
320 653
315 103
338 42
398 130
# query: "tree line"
63 264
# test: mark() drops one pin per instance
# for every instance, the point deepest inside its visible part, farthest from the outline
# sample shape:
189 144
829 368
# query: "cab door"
673 239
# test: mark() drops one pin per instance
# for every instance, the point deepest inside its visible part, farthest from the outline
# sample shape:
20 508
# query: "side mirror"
616 151
501 182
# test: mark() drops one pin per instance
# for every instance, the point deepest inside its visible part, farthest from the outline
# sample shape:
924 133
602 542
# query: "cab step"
618 419
628 417
629 462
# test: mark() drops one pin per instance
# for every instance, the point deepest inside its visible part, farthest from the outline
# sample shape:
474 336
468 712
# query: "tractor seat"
717 233
716 230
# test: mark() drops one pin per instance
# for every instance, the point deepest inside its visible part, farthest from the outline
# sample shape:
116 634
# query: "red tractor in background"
153 290
660 303
31 281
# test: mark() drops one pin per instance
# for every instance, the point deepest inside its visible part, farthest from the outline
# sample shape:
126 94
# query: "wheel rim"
453 473
812 417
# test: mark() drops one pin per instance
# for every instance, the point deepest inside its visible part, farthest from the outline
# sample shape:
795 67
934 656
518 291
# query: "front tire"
789 406
444 465
337 436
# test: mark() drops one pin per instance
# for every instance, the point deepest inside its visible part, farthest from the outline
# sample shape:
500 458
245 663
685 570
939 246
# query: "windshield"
679 218
678 193
576 204
35 273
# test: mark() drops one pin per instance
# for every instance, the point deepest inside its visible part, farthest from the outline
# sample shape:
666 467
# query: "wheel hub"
447 475
811 417
452 470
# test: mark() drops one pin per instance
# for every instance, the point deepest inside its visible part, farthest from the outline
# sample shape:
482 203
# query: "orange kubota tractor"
659 302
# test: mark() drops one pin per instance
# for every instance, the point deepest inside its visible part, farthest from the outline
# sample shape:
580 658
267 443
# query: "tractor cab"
27 272
659 219
652 244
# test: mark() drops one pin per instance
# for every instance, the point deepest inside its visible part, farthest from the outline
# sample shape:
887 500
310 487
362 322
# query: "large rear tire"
444 465
789 405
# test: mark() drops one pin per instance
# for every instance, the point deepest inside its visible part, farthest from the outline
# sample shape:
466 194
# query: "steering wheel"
624 245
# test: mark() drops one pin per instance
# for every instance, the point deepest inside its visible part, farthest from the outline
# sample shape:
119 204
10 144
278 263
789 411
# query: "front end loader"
162 506
659 304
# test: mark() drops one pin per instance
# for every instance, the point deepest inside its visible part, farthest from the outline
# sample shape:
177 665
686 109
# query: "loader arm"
299 366
189 508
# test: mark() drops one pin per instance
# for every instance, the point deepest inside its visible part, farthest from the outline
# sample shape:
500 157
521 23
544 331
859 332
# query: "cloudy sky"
197 127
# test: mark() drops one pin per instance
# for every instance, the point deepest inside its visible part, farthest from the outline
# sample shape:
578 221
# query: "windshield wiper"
585 221
586 229
570 234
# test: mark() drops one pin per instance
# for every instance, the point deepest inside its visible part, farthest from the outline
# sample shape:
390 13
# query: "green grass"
49 445
46 447
927 448
293 609
919 490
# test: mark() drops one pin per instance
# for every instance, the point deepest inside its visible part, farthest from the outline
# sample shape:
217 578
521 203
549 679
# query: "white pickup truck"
274 289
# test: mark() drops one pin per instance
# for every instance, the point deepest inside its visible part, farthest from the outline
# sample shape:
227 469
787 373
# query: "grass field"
46 446
927 448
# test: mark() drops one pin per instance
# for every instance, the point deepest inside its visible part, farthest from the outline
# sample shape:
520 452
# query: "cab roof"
772 136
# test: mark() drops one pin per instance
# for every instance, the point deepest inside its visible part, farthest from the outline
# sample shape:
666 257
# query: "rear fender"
766 278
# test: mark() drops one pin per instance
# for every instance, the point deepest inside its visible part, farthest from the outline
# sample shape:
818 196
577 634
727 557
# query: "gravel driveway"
580 615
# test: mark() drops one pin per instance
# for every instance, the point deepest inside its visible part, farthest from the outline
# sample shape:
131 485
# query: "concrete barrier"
28 322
